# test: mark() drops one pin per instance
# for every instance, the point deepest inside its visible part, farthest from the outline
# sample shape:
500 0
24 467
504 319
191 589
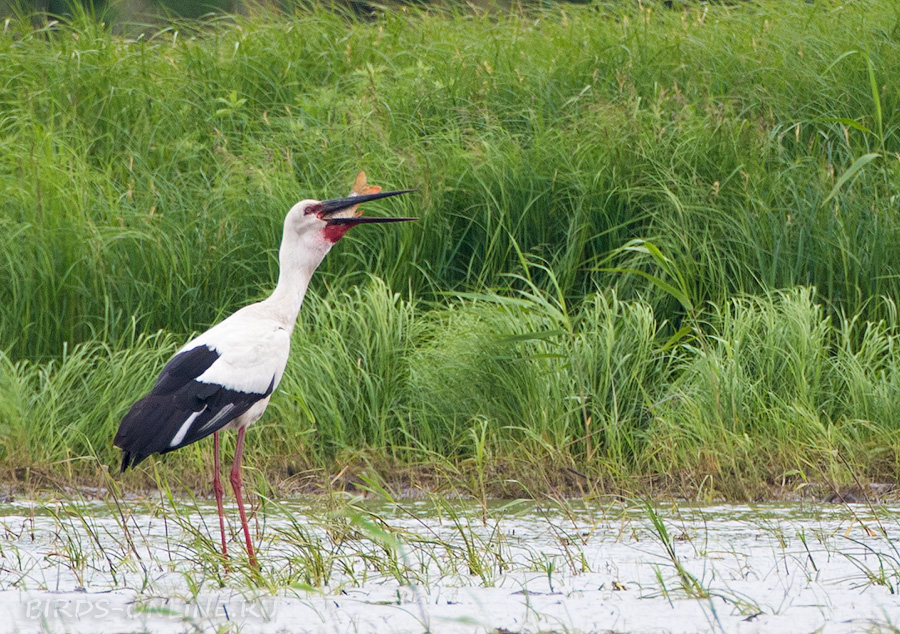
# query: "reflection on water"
337 565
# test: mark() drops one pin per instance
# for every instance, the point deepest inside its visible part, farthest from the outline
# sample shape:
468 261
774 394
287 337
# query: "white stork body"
253 351
224 377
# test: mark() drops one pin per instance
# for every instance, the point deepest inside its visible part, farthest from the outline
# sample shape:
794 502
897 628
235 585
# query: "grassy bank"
144 183
517 395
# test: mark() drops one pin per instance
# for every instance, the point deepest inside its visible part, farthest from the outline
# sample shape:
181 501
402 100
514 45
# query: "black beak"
339 204
361 220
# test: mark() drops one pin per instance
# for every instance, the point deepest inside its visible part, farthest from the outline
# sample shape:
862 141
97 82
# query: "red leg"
219 490
237 484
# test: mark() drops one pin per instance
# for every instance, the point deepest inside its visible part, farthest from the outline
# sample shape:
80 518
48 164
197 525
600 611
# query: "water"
451 567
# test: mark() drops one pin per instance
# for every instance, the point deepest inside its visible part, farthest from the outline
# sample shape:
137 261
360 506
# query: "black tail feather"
180 409
130 459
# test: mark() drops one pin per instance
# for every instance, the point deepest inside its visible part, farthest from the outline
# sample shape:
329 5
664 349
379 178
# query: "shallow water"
441 567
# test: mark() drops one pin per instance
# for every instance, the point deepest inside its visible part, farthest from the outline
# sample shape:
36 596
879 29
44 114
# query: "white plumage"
253 351
224 377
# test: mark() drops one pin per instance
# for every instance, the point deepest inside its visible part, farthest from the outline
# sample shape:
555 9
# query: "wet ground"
151 565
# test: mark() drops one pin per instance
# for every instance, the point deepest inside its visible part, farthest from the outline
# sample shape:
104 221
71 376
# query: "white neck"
298 259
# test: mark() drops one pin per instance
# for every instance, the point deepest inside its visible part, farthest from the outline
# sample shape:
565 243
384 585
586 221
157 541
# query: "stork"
224 377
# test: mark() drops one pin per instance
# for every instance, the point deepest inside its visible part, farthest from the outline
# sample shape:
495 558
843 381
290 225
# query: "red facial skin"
333 233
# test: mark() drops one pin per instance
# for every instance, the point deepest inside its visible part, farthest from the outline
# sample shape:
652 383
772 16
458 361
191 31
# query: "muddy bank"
499 482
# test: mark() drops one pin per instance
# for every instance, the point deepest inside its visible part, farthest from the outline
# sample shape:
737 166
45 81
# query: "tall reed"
144 180
148 177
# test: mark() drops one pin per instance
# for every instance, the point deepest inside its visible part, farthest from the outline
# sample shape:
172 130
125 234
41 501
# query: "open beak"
329 209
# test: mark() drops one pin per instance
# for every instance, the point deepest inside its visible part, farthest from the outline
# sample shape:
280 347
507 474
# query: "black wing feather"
154 421
183 368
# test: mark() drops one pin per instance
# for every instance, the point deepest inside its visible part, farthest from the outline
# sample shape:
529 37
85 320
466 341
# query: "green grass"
503 393
143 183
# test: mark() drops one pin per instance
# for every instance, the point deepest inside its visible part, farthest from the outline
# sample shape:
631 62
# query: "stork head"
326 221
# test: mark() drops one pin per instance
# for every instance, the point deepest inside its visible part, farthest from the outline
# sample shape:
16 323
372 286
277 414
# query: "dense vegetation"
653 243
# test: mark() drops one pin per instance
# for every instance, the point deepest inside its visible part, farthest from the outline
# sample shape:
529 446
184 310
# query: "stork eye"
313 209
